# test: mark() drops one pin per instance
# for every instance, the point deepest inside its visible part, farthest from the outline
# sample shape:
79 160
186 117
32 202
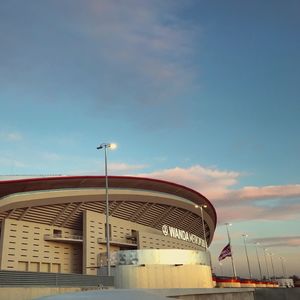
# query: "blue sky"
203 93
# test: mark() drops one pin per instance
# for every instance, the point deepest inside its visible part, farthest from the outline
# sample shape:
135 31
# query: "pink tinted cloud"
248 203
230 214
279 241
252 212
123 167
267 192
211 182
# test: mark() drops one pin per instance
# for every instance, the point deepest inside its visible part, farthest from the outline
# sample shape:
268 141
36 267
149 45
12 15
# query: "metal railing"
19 278
118 241
63 236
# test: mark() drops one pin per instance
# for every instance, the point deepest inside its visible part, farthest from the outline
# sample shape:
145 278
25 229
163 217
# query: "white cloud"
146 46
280 241
114 168
51 156
123 167
11 163
11 136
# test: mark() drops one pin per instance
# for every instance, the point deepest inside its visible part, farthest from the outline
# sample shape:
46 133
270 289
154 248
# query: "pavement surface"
107 295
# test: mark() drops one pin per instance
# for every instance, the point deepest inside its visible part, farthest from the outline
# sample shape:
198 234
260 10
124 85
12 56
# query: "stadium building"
157 237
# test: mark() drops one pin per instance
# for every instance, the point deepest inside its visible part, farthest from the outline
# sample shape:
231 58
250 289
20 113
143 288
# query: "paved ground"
277 294
108 295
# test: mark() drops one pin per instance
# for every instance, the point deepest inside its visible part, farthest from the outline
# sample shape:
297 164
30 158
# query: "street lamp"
265 251
256 244
105 146
283 268
203 226
245 236
271 255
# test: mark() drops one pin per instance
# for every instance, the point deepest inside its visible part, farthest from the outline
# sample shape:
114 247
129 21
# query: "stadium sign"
182 235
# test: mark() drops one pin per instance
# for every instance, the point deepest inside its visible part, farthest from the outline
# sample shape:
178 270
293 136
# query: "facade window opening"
132 237
57 233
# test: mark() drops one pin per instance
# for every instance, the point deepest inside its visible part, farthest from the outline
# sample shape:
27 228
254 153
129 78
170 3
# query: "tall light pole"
265 250
271 255
105 146
203 225
259 267
244 237
229 241
283 268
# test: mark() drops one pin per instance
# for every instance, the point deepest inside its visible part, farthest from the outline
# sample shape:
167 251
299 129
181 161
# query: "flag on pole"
226 252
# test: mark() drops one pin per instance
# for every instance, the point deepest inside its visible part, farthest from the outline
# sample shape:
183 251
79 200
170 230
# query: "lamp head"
107 145
200 206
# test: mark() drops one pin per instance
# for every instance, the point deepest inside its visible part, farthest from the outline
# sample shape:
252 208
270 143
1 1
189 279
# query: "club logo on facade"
165 230
182 235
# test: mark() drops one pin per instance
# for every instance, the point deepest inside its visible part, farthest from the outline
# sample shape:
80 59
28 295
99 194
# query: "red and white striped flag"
226 252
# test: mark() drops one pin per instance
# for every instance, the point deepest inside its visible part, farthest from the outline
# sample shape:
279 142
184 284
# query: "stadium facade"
57 224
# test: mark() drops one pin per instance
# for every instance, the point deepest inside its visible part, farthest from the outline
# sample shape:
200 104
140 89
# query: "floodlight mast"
246 252
203 225
260 273
105 146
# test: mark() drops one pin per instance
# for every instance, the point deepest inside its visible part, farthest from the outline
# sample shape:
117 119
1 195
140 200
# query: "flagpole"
229 241
221 267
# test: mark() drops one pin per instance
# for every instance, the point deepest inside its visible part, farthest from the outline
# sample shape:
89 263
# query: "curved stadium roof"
59 201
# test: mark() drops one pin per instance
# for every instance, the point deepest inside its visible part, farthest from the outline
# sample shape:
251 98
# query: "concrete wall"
147 238
93 229
23 248
163 276
29 293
